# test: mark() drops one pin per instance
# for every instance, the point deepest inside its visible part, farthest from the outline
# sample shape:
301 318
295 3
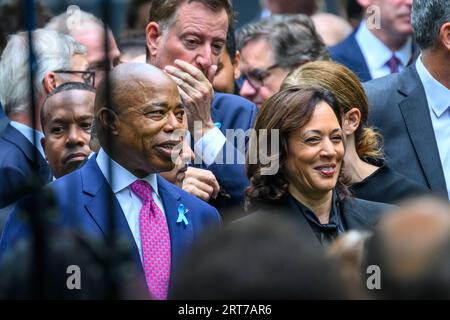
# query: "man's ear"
352 119
43 147
237 65
153 35
108 120
49 82
444 35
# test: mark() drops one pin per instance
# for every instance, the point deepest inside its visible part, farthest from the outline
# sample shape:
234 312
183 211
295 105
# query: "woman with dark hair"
370 178
309 184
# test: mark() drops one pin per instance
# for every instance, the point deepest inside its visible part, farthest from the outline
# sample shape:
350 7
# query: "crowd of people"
288 159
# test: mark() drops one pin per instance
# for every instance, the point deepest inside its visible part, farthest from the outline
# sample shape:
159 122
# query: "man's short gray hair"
427 17
53 51
294 39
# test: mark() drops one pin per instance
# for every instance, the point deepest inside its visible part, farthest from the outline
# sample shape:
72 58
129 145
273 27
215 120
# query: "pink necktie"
155 242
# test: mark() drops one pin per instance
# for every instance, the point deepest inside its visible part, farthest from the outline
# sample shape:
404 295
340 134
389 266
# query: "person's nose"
247 90
75 137
328 149
205 58
172 123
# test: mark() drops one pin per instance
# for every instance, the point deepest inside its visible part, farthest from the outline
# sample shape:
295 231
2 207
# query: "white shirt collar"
122 178
376 52
28 133
438 96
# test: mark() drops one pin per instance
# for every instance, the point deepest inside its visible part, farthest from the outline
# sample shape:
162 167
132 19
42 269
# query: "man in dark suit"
185 38
382 43
139 130
412 108
22 160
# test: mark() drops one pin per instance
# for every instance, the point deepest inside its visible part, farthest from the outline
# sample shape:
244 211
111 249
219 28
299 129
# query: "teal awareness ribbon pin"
182 214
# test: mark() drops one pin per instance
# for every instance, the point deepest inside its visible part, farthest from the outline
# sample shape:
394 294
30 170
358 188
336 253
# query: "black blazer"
399 108
387 186
357 214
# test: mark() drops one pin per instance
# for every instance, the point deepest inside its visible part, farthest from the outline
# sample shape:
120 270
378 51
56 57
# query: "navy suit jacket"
399 108
3 119
231 112
2 113
86 201
350 55
20 162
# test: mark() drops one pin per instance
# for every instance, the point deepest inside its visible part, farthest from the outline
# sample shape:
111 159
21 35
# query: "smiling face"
315 154
67 129
196 36
149 126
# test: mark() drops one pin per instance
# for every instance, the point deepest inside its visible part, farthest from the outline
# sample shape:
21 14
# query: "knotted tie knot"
143 190
393 63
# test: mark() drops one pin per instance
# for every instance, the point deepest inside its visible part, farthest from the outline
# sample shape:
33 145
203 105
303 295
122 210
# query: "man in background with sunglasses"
273 47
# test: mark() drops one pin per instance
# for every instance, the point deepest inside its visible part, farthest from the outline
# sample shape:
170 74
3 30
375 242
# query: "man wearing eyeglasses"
59 59
271 48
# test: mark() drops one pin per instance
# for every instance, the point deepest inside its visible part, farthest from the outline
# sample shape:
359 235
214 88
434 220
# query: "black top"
387 186
328 232
355 214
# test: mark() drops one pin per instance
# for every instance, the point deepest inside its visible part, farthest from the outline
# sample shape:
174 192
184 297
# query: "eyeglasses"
256 77
88 76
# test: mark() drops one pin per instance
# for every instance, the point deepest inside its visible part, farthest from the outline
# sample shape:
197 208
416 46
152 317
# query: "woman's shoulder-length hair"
285 112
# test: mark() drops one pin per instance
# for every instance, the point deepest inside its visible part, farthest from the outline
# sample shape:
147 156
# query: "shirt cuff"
210 145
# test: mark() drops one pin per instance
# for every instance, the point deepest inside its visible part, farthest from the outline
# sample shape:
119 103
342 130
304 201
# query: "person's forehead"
93 40
197 15
148 91
257 53
71 101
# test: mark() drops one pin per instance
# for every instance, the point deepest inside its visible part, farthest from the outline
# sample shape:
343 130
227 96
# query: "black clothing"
325 233
387 186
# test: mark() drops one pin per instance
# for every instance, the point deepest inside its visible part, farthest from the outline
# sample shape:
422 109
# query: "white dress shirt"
438 98
28 133
130 203
377 54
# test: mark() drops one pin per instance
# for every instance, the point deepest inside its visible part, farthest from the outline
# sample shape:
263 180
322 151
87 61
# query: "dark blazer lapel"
14 136
357 59
415 111
181 235
102 202
355 216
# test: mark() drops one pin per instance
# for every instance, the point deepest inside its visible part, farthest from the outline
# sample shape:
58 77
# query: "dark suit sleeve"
232 176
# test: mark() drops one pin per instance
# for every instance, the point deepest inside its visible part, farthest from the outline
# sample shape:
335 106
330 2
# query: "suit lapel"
355 216
102 204
415 111
181 235
358 60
